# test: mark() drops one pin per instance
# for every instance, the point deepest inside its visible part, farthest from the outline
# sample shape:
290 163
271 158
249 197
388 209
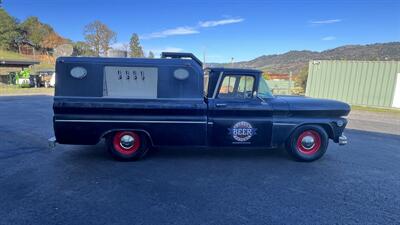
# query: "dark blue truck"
137 103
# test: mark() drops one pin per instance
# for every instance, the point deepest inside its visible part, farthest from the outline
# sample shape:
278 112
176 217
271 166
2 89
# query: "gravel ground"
384 122
354 184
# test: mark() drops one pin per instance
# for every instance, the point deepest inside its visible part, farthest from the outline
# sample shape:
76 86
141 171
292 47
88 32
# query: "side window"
227 88
263 89
246 84
236 87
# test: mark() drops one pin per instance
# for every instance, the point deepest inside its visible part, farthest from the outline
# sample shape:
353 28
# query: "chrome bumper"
342 140
52 142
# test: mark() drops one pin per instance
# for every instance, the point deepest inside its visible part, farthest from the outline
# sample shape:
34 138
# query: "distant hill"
295 60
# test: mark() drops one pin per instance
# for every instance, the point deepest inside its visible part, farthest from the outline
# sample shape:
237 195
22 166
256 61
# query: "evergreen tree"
134 45
151 54
8 31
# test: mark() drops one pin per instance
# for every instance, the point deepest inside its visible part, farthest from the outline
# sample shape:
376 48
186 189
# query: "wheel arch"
104 135
326 126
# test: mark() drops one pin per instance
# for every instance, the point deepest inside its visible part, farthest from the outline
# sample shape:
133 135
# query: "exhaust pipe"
52 142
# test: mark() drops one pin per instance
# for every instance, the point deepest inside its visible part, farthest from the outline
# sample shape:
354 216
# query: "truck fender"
137 130
325 125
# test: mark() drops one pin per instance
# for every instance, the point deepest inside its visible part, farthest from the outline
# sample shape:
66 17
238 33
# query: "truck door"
236 116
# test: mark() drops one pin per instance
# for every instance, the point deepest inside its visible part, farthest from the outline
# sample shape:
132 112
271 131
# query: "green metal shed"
368 83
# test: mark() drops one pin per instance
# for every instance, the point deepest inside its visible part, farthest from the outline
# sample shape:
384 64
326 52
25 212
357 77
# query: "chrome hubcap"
127 141
308 142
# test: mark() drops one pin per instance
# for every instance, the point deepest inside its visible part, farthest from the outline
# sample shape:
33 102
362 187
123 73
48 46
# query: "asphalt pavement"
354 184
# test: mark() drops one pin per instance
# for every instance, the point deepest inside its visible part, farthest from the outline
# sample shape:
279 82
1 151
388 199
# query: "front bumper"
342 140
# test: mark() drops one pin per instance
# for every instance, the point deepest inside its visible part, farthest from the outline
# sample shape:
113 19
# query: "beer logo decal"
242 131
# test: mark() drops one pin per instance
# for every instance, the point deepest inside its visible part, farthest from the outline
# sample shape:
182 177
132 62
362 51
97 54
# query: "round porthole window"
78 72
181 74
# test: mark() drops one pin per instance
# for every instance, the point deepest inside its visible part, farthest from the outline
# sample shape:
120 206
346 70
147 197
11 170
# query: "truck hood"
323 107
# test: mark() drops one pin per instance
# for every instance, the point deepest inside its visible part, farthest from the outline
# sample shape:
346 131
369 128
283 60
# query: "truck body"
173 101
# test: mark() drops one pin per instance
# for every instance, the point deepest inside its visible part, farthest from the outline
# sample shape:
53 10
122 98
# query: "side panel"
283 127
130 82
292 112
169 122
94 85
163 97
240 123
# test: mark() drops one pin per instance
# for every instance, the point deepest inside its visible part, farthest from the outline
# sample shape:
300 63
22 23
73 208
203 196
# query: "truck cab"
236 113
140 103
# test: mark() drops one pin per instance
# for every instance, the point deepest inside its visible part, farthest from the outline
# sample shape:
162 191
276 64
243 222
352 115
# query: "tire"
126 152
306 151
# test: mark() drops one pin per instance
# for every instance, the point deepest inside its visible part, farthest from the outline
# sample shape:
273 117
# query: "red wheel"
126 142
308 142
127 145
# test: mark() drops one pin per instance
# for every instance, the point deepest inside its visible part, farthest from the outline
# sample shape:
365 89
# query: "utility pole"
204 58
232 61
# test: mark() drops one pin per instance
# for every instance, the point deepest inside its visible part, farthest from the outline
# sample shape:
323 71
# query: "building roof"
278 76
17 63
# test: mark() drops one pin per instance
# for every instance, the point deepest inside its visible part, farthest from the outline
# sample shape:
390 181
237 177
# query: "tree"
35 31
265 75
99 37
52 40
8 31
82 49
151 54
136 49
301 79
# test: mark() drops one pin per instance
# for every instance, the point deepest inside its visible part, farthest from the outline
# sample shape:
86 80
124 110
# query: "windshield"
263 89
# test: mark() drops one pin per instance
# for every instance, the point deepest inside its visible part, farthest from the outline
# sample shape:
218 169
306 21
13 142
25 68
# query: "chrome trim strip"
284 124
130 121
124 98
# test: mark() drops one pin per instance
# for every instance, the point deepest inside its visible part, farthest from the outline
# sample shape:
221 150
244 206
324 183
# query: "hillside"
12 55
295 60
46 62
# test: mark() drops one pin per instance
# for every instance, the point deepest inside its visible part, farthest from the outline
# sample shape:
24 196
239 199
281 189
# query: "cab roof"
233 70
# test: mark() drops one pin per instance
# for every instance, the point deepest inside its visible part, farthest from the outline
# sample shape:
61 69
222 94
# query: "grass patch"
12 55
376 109
10 90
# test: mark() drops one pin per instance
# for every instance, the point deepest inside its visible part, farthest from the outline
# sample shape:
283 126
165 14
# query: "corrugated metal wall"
370 83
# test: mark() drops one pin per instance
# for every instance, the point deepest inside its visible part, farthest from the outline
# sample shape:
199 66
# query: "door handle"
220 105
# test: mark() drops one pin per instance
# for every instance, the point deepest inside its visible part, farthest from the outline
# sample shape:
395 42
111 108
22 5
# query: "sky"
222 29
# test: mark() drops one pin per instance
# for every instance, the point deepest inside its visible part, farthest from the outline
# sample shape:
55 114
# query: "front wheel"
127 145
307 143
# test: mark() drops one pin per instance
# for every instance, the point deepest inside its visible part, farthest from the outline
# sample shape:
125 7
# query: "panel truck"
137 103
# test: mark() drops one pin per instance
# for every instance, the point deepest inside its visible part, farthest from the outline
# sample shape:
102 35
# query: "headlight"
339 123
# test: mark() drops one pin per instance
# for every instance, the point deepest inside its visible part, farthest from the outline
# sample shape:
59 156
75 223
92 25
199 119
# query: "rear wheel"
127 145
308 143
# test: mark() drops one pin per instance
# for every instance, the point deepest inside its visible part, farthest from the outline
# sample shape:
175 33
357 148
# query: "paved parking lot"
357 183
